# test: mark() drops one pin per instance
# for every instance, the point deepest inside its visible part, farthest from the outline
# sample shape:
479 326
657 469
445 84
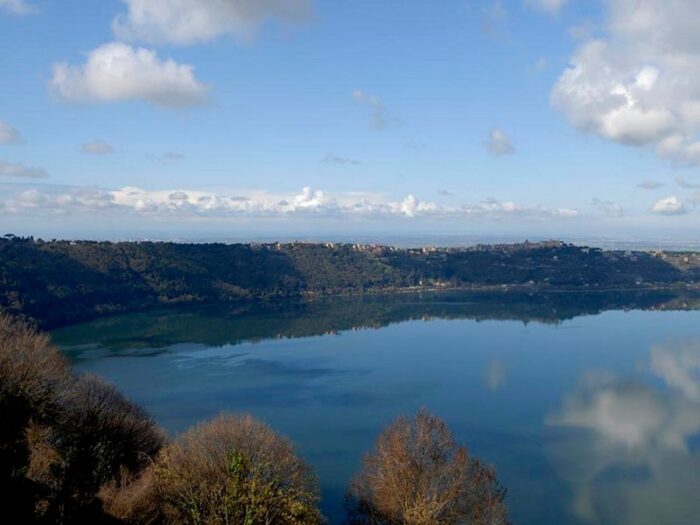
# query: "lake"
588 405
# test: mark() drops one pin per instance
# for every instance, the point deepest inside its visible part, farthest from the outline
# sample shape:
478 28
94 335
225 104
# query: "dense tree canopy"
61 282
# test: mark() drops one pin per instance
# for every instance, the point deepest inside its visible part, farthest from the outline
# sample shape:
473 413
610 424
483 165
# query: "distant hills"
57 283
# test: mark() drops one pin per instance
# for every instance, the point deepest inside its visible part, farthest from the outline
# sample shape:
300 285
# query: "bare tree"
98 437
31 372
235 470
62 436
418 475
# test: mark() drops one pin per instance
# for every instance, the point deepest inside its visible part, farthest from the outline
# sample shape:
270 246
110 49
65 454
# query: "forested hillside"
61 282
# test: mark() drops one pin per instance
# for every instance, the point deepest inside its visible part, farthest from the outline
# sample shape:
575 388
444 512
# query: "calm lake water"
588 406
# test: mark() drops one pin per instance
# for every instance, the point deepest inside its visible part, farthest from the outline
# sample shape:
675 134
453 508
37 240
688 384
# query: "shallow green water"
588 405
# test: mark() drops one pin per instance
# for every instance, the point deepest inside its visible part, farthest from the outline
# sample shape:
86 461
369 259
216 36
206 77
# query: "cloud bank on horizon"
58 200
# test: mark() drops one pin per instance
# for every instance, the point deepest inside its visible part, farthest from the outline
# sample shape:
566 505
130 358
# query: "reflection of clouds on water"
638 466
680 369
631 414
495 375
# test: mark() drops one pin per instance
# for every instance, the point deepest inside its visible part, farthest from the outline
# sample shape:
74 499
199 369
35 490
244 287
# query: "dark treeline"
73 450
61 282
219 325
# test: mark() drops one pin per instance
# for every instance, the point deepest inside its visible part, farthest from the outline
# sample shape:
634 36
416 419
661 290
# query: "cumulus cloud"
638 85
8 169
336 159
192 21
97 147
669 206
117 72
187 203
8 134
499 144
609 208
650 185
379 116
550 6
17 7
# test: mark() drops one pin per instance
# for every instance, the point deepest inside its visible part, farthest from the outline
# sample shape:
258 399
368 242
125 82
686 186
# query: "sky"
276 118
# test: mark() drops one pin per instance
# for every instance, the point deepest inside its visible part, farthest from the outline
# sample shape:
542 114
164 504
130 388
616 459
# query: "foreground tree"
418 475
99 436
62 436
31 372
231 470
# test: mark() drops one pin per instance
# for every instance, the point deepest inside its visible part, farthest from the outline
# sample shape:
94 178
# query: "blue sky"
525 117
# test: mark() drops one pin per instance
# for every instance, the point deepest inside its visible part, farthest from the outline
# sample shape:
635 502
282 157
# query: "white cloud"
188 203
191 21
638 85
650 185
669 206
117 72
97 147
8 169
17 7
379 116
59 201
550 6
8 134
499 144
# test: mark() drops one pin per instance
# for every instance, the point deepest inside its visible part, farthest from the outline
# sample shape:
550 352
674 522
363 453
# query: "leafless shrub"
133 500
98 436
31 369
62 436
418 475
31 372
235 470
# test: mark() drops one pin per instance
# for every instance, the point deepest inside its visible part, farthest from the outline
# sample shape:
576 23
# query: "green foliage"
234 470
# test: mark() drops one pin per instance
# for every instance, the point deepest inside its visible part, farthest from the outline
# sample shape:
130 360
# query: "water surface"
587 405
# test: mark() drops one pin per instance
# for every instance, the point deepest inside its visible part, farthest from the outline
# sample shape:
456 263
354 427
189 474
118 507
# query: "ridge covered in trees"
57 283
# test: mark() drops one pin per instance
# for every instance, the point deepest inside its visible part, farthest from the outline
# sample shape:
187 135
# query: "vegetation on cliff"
61 282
